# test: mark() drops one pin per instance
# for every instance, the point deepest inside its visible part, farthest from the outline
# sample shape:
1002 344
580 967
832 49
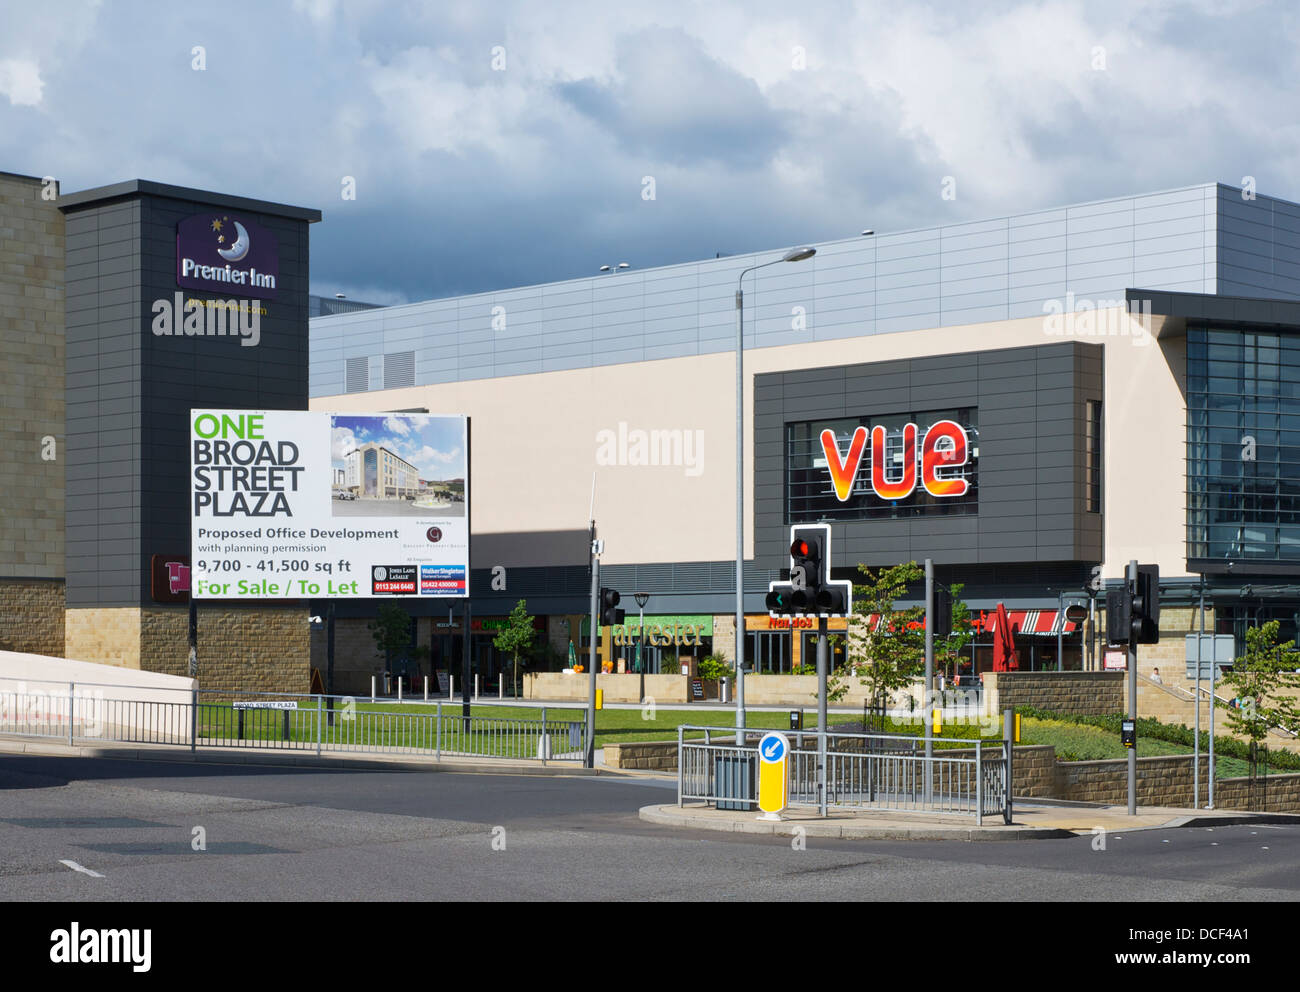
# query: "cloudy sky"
434 445
502 144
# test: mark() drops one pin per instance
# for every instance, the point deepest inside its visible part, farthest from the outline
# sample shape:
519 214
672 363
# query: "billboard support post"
465 664
329 662
194 637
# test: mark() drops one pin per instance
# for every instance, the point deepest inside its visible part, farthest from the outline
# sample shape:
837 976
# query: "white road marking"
76 867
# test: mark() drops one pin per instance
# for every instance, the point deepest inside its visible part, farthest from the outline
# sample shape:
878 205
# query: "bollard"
426 688
476 686
501 688
399 688
372 688
451 686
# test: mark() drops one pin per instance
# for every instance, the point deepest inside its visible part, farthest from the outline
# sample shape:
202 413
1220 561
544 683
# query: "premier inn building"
1030 401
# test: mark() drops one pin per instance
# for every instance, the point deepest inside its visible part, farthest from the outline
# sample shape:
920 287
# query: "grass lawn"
407 726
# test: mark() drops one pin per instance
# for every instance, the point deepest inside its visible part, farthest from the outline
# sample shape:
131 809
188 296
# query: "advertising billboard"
287 504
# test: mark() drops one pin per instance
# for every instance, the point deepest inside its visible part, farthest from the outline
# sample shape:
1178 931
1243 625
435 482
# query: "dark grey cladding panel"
1030 411
132 392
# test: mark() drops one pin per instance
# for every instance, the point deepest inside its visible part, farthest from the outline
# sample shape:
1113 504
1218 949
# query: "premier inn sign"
224 253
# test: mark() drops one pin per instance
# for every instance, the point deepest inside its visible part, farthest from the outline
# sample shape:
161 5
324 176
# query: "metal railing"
863 771
92 712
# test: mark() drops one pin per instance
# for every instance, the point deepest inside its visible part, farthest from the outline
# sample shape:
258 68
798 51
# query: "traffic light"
609 615
810 589
1119 615
1146 605
1133 611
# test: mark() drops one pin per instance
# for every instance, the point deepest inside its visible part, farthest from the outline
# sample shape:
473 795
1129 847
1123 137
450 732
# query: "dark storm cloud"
503 146
671 101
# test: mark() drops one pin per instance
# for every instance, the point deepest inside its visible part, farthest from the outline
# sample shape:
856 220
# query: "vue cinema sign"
220 252
944 448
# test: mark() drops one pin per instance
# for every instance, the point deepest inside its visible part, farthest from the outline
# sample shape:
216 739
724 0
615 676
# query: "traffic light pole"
823 666
589 759
927 697
1131 579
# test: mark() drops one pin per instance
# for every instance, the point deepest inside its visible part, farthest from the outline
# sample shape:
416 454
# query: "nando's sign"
943 451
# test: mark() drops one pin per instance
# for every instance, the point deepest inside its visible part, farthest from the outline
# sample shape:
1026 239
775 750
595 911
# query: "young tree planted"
516 637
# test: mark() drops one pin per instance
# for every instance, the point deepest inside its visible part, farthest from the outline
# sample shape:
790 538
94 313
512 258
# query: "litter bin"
733 780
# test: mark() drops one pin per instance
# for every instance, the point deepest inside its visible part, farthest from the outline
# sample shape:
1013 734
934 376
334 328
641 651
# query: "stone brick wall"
1082 693
106 635
1161 781
657 755
1033 770
32 376
1274 794
32 616
255 649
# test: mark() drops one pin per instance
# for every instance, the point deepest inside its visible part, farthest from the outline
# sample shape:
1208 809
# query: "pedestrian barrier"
863 771
317 723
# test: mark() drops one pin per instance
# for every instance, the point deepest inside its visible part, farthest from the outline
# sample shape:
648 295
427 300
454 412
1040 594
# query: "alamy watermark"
208 318
1085 318
680 448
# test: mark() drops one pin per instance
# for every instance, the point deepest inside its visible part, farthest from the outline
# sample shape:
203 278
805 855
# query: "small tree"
1257 681
516 637
391 631
951 650
889 655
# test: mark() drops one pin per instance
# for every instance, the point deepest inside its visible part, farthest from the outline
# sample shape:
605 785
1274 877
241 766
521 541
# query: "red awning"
1022 622
1029 622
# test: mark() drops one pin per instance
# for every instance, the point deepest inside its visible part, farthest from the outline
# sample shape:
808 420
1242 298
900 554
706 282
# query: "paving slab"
1029 822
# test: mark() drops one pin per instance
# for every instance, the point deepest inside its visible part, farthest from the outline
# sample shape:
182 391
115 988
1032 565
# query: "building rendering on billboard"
269 522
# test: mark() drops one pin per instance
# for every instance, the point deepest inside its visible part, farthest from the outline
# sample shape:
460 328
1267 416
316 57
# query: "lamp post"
641 599
793 255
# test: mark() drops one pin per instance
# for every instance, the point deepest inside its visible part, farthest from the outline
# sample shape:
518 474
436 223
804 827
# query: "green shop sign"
661 631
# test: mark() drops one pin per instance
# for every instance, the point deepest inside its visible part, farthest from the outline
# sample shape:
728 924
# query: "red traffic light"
800 548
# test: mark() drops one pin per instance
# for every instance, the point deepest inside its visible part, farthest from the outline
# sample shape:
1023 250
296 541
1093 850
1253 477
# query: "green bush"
714 667
1174 733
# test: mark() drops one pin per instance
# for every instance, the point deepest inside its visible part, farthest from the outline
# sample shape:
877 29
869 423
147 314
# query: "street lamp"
641 599
614 268
793 255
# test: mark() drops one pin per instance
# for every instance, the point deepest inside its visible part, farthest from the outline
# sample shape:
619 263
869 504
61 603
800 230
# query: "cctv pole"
1214 673
1132 696
927 697
590 760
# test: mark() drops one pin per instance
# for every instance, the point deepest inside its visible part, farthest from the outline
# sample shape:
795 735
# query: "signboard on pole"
1216 649
773 775
289 504
1116 660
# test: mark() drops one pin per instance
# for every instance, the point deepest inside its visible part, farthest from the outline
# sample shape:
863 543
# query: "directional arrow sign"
773 774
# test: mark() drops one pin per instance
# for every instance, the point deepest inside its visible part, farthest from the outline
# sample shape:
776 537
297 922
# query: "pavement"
1031 820
358 761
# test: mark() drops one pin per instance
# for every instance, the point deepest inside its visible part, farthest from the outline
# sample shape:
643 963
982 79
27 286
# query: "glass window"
1239 506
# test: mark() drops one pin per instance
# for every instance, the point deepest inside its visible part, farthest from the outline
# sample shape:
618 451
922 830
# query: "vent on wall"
358 375
399 369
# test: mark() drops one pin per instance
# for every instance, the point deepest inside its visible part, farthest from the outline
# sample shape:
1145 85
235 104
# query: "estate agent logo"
222 253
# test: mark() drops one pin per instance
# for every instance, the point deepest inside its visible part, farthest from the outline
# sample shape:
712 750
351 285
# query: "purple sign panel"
224 253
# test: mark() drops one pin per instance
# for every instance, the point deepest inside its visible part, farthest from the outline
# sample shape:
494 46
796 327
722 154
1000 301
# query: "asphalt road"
324 834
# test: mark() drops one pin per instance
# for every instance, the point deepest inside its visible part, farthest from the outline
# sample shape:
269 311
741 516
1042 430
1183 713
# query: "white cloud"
20 81
342 440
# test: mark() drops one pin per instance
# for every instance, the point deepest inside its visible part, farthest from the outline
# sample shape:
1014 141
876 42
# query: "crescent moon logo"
239 249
